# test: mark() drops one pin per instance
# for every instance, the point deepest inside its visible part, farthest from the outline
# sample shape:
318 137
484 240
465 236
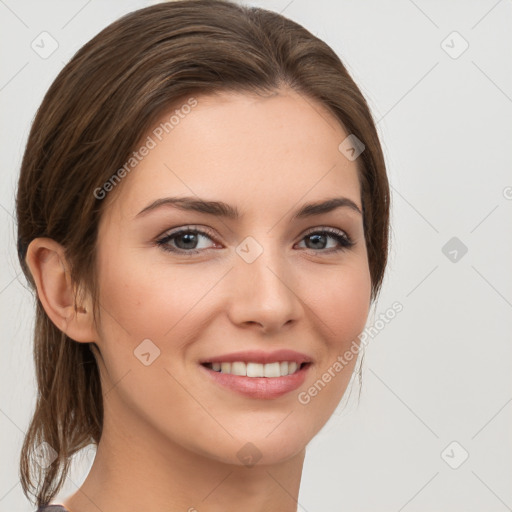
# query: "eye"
184 241
188 241
318 240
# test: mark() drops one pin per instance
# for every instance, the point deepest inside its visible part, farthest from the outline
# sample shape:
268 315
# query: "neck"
138 469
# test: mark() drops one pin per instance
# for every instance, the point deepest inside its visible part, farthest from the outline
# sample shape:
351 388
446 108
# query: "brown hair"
100 105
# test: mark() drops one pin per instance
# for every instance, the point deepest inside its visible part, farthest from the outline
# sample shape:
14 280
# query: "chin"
263 446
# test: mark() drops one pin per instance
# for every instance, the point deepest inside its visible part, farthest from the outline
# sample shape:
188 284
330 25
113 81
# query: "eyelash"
342 238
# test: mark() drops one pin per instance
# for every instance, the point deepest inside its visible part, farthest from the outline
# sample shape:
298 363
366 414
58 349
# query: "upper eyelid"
175 231
208 232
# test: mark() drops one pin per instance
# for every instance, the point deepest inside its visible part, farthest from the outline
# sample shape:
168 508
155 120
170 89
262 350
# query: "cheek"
162 303
151 300
341 300
341 303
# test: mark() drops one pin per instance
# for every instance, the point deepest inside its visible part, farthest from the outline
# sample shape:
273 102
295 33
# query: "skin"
171 436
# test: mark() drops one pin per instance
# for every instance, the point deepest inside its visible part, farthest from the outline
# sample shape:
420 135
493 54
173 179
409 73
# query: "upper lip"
259 356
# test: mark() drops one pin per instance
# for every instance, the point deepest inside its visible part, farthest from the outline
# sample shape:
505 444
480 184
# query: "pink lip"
258 356
259 387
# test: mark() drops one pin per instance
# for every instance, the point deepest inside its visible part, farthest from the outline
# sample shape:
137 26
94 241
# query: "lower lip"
259 387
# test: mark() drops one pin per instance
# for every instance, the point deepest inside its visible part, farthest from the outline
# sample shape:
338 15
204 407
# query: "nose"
264 292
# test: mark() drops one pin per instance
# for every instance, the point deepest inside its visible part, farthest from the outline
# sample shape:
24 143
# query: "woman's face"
259 290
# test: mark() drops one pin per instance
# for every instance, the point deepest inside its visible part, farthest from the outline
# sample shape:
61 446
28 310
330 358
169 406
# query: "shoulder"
51 508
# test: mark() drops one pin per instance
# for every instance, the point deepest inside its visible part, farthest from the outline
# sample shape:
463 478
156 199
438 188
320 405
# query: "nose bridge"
264 288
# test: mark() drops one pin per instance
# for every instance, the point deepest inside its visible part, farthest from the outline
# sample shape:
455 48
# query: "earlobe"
48 266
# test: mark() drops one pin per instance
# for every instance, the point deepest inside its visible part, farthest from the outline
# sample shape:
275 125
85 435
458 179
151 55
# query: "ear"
47 262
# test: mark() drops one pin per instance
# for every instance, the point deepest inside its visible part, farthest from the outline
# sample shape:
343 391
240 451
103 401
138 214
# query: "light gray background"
440 371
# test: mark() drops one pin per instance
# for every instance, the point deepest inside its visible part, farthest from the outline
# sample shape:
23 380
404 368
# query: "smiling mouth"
249 369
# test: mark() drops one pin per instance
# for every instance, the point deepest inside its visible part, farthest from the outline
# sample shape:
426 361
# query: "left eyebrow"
329 205
221 209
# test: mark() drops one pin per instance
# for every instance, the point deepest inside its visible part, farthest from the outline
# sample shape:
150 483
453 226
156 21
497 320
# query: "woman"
203 213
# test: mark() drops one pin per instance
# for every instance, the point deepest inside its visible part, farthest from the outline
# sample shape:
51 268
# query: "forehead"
255 152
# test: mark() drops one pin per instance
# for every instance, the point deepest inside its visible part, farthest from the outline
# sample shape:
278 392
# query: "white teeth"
272 370
269 370
239 368
254 370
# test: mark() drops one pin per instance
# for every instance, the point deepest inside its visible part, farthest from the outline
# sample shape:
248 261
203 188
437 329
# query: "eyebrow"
221 209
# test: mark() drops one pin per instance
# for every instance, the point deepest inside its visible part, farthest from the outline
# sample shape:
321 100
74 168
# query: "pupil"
316 238
189 239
